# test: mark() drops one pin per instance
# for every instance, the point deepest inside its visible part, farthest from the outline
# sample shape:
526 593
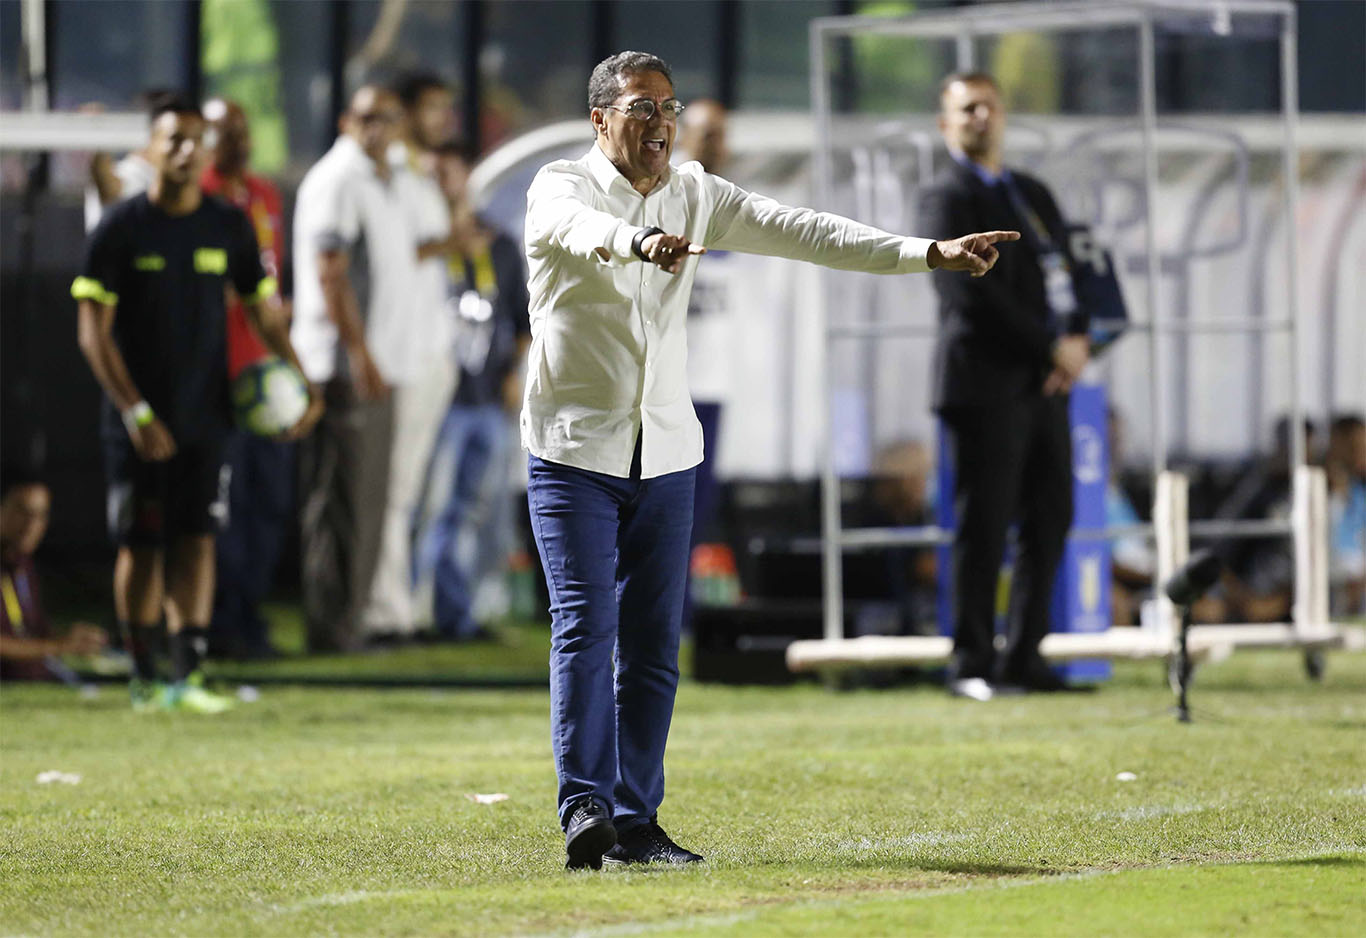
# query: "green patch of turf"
1271 898
346 812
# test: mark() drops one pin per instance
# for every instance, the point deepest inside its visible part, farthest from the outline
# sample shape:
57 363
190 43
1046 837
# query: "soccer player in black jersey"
152 325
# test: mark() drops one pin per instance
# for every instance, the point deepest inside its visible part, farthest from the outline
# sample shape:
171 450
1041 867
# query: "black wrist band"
639 239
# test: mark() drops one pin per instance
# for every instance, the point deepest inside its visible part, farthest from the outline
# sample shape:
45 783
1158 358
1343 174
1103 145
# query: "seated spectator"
1132 561
901 491
1346 469
27 645
1259 579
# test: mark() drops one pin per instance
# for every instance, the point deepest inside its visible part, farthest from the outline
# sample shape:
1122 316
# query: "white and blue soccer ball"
269 396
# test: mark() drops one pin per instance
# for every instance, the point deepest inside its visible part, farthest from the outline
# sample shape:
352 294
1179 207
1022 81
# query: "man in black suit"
1008 350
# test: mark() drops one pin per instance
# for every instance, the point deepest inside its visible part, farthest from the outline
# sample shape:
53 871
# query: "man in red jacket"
261 492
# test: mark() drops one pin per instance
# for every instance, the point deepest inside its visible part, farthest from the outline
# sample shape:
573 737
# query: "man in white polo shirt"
613 438
423 392
355 267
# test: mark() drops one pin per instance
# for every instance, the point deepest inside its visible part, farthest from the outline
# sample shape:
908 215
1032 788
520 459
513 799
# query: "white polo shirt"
135 176
342 202
430 217
609 348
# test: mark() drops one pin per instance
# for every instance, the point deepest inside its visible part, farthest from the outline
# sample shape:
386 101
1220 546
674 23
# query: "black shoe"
1036 676
648 844
588 835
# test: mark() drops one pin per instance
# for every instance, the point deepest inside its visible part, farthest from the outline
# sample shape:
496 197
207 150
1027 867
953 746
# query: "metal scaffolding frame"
1171 529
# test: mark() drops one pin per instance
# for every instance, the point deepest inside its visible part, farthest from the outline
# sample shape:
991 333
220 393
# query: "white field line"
920 839
1146 812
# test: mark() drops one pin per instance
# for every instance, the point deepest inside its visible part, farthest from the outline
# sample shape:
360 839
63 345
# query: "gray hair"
606 81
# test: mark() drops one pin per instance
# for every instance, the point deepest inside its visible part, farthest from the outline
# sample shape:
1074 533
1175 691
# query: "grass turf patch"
345 812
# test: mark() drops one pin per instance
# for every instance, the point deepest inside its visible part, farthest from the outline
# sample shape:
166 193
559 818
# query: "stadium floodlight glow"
953 37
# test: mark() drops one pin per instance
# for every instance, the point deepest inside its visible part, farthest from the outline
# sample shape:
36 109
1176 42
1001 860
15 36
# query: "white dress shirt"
134 173
342 203
609 344
430 217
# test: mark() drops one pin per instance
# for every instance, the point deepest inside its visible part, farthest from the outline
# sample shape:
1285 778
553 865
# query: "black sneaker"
588 835
648 844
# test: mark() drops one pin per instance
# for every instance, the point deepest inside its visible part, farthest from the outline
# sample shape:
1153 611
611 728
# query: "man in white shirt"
612 436
423 392
356 333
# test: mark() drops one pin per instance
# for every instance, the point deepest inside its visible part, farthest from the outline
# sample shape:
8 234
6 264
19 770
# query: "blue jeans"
465 540
615 554
260 502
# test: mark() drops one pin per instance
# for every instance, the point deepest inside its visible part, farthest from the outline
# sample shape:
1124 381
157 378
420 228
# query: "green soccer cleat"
191 696
149 696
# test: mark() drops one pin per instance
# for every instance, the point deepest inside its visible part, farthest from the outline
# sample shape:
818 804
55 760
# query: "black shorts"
150 503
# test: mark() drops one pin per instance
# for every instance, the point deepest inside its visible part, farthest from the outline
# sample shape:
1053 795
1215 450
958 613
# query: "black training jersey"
166 276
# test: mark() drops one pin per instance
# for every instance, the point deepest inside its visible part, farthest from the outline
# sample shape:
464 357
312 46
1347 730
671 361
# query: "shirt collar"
977 169
606 174
352 152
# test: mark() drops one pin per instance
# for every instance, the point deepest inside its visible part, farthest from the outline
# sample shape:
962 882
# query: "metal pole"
1291 169
831 550
1148 121
1302 534
34 26
471 76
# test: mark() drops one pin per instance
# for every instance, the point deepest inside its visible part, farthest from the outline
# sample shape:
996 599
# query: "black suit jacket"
995 336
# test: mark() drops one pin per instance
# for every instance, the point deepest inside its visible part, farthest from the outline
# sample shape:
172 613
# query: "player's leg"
652 576
988 450
574 514
136 516
199 498
1045 516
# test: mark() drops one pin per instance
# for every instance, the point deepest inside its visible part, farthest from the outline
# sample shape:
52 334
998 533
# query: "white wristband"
137 415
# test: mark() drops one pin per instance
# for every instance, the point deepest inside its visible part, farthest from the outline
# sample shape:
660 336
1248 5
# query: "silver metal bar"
1236 326
46 131
34 28
931 535
1290 167
831 569
1156 313
1040 17
866 330
895 537
1236 528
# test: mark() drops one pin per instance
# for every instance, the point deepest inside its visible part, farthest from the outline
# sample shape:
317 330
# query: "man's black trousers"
1013 464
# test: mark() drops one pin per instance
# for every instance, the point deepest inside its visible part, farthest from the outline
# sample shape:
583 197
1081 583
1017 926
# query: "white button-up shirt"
344 204
609 344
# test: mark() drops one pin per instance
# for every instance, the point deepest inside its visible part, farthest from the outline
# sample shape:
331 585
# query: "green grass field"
346 812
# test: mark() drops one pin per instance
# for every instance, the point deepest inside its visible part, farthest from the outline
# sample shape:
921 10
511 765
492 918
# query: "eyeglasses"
642 109
377 117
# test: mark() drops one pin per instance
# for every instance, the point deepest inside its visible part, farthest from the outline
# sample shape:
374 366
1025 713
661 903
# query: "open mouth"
655 145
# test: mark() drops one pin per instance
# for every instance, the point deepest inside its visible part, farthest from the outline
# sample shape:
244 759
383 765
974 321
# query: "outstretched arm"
746 221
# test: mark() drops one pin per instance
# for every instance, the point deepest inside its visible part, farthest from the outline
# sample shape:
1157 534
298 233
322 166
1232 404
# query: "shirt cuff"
914 255
88 288
267 288
619 245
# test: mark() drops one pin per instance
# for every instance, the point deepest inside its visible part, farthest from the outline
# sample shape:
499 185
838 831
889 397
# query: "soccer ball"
269 397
